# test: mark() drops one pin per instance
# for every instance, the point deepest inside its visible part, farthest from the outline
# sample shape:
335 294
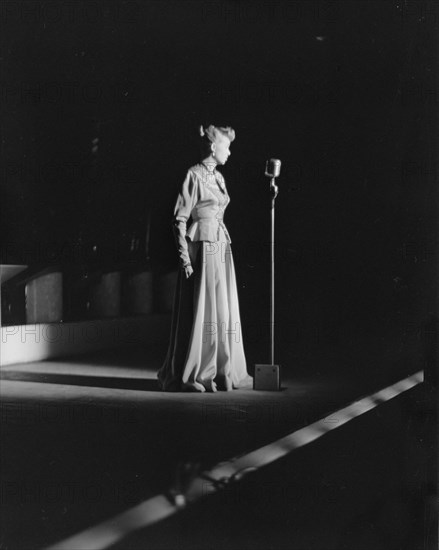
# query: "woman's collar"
210 166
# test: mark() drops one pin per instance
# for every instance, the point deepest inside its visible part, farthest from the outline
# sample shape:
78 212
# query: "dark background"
344 93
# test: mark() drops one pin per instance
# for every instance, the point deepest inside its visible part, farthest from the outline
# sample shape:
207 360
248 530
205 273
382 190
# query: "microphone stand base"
266 378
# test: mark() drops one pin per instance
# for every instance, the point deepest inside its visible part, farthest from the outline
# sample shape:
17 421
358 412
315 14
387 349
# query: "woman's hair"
210 133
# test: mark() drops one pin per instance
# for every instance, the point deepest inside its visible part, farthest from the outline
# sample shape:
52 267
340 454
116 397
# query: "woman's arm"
186 200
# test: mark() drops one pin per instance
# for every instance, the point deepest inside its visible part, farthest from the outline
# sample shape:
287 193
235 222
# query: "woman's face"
221 149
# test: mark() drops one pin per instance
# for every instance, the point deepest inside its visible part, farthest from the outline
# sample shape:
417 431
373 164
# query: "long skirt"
206 351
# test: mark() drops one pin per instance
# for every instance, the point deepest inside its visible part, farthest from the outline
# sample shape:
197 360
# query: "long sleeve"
186 201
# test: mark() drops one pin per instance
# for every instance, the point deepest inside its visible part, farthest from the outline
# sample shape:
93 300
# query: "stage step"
36 342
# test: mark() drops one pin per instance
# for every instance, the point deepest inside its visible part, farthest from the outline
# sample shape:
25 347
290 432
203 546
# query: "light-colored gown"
206 351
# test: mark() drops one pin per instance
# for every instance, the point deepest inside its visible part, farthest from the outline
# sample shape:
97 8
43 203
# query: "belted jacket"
203 197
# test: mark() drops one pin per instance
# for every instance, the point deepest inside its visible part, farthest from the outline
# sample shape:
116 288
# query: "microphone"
272 168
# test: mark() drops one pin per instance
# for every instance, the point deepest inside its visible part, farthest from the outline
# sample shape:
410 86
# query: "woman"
206 351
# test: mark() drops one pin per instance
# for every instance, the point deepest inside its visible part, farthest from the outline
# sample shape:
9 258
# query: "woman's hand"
188 271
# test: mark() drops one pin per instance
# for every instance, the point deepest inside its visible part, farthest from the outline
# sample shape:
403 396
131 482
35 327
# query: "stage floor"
88 437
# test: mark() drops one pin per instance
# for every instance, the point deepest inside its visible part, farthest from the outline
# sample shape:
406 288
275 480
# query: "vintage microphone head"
272 168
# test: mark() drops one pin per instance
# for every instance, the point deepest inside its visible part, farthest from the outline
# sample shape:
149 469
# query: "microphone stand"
274 189
267 377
